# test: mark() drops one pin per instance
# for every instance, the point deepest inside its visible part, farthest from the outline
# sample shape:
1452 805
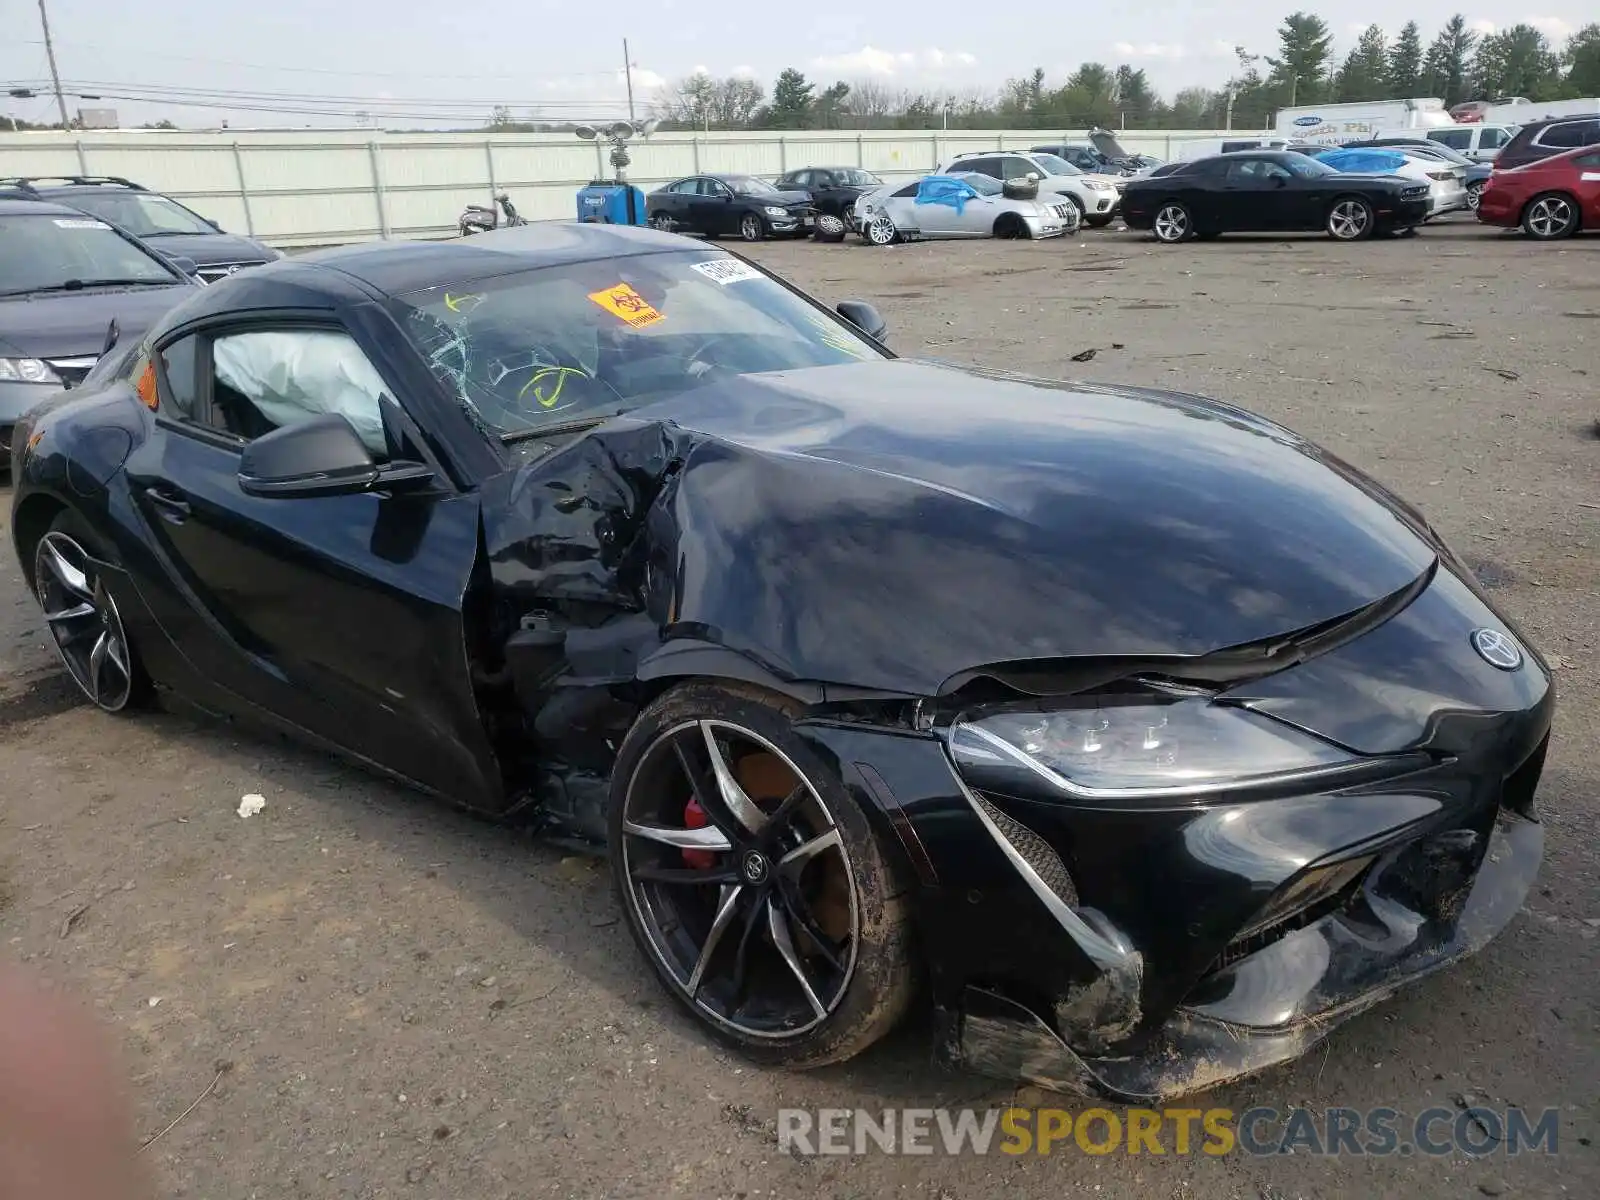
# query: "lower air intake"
1035 851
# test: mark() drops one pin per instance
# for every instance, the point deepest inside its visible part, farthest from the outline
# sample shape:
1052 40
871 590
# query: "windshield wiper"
77 285
525 435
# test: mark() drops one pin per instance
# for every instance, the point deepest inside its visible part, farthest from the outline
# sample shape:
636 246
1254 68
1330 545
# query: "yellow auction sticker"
623 302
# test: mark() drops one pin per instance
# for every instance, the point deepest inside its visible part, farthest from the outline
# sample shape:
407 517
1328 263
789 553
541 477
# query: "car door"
1588 188
1254 196
674 201
340 614
713 207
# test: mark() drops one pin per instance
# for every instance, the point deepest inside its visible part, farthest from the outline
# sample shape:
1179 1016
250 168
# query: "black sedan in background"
733 204
1266 191
65 277
1165 739
833 190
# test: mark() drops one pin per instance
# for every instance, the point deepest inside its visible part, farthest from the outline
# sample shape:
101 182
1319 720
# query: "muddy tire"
752 882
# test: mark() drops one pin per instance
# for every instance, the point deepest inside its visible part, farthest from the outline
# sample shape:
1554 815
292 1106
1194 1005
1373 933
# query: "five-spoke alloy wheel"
83 619
1172 223
1549 217
752 881
1350 220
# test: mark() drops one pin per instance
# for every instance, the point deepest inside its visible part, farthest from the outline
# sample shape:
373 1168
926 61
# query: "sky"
458 61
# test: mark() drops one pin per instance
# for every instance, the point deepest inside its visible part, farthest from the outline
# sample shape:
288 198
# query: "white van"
1480 143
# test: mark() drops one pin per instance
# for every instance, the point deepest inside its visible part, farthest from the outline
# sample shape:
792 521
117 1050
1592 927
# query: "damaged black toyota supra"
1146 738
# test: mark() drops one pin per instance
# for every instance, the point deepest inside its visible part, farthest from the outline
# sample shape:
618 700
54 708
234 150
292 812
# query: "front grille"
1035 851
212 272
72 370
1059 209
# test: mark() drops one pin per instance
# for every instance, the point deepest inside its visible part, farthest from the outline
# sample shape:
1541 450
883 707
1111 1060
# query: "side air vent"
1035 851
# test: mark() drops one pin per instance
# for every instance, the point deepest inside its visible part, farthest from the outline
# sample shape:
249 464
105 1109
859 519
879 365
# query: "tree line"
1459 64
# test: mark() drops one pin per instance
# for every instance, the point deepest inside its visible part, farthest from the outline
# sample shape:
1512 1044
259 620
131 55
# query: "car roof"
26 207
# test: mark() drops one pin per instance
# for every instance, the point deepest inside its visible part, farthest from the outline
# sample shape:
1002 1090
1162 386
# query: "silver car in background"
981 208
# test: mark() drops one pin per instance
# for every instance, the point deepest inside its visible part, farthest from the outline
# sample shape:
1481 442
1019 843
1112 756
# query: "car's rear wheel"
1474 194
752 881
752 228
1173 223
82 617
1350 219
1550 216
879 230
661 221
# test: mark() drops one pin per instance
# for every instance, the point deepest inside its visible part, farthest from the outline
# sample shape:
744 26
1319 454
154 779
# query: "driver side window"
265 379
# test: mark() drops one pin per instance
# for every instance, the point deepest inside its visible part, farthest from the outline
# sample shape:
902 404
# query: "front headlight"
1108 749
772 210
26 370
1099 186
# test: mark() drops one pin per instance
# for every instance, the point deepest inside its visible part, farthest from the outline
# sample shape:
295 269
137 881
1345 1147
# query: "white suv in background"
1097 196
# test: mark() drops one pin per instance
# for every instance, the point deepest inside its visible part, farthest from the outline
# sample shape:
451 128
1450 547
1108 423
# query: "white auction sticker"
726 270
80 223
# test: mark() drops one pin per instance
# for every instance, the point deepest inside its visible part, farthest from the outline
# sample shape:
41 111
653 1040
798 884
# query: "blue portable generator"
611 204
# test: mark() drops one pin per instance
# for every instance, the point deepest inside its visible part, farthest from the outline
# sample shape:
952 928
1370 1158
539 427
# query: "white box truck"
1526 111
1336 124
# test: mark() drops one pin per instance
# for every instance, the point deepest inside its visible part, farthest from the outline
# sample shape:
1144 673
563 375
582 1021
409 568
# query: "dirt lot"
411 1003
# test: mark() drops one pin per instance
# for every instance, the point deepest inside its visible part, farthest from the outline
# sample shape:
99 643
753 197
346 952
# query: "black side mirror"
187 265
864 317
1281 181
213 225
320 457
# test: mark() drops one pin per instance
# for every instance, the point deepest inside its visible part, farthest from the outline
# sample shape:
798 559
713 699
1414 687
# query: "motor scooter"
476 218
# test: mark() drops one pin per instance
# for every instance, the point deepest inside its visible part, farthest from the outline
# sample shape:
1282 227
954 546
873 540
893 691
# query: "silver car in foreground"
969 206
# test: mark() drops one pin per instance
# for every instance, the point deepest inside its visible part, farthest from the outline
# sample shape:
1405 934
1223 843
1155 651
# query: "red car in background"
1552 198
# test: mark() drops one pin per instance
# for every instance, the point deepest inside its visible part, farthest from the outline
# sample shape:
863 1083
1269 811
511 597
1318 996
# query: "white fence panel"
316 187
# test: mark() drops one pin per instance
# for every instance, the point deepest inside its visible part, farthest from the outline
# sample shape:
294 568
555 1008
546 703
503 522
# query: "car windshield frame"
1303 166
748 185
539 365
1047 162
857 177
105 206
111 267
983 185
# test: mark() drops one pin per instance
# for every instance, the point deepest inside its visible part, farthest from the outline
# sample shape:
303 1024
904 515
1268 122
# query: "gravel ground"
394 999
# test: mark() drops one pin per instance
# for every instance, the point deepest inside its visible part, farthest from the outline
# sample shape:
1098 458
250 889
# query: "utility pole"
627 68
55 77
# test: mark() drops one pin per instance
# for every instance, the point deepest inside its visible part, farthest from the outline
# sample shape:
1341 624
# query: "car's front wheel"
1350 219
82 616
752 881
1173 223
1550 216
752 228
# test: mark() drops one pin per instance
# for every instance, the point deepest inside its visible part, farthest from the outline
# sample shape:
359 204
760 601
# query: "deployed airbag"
290 375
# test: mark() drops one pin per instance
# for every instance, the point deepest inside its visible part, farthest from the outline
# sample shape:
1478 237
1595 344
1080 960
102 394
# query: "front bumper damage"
1325 973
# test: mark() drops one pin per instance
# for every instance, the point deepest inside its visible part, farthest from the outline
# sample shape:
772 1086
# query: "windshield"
583 341
1055 166
1308 168
856 177
748 185
140 213
982 184
51 252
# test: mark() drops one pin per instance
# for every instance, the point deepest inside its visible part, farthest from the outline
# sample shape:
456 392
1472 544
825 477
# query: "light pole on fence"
55 76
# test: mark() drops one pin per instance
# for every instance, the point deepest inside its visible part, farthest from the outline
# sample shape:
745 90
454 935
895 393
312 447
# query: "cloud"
743 71
869 60
1481 26
1553 27
1153 50
643 78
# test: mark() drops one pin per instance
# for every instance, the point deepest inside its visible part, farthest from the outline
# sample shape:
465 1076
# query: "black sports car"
1262 191
1161 738
735 204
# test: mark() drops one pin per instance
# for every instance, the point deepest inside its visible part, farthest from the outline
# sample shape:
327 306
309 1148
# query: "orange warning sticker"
623 302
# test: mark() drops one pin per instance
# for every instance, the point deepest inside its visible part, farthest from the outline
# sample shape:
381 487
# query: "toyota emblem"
1497 648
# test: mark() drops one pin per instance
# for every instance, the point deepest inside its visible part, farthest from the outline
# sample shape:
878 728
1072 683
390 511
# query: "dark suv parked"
169 227
1541 139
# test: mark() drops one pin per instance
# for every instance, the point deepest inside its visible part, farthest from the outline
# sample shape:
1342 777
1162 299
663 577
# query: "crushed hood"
891 524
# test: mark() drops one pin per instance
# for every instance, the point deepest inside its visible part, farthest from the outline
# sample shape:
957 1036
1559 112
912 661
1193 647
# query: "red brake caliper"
694 817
